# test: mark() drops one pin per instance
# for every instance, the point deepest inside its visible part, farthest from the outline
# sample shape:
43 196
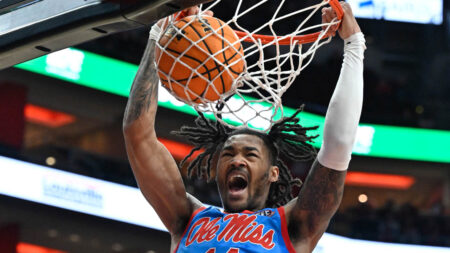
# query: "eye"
252 154
226 154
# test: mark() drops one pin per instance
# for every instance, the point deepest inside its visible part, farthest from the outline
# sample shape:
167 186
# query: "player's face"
244 173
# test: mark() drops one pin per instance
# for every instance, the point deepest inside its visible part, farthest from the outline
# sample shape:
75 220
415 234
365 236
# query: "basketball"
200 60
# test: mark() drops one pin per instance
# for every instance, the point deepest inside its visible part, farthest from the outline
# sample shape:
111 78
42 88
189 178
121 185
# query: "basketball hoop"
272 62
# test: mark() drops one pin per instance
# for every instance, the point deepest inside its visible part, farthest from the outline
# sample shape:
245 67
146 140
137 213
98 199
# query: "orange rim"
300 39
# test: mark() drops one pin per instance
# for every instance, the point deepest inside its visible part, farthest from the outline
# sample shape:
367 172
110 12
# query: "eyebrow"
247 148
228 148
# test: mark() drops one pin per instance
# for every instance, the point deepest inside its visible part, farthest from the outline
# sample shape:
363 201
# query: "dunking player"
254 184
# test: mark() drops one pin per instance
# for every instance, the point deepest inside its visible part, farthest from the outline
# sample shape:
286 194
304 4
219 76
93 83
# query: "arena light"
116 77
23 247
47 117
177 149
379 180
412 11
81 67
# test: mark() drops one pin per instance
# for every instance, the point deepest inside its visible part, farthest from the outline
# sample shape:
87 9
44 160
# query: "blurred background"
64 111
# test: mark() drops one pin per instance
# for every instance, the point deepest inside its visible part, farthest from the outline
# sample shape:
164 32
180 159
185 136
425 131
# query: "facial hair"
252 203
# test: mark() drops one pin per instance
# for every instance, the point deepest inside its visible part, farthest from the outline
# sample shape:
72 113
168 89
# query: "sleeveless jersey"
212 231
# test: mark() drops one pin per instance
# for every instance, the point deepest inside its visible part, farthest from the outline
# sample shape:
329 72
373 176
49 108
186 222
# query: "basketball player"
259 214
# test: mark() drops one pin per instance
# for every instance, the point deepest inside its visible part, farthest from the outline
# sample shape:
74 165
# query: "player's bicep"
160 181
317 202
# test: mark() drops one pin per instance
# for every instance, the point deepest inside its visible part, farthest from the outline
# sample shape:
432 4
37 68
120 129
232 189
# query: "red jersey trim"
284 230
245 211
187 226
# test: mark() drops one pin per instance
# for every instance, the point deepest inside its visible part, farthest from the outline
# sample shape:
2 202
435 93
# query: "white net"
270 63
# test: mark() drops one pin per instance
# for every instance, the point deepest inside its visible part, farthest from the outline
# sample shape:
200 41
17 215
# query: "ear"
274 172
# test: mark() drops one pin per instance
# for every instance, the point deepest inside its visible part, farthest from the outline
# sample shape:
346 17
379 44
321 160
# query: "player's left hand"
349 25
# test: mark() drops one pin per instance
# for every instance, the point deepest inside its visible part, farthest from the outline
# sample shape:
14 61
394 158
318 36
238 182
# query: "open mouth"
237 183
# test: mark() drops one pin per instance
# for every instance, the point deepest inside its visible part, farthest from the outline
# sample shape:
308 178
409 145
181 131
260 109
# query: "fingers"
349 25
346 8
162 23
195 10
209 13
328 15
192 10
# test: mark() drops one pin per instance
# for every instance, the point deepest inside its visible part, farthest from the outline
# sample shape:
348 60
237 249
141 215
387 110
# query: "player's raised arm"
322 191
155 170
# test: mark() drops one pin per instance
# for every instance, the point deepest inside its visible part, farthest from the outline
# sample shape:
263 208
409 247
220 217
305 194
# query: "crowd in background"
393 223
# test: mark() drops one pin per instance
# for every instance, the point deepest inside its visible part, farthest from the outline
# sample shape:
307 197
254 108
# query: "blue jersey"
212 231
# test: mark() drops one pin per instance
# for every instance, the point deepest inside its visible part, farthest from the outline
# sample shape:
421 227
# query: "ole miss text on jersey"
211 230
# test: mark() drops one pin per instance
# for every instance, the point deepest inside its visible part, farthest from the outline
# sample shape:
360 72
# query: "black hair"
287 137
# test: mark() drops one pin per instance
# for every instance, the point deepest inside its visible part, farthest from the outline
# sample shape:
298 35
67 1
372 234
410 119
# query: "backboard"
32 28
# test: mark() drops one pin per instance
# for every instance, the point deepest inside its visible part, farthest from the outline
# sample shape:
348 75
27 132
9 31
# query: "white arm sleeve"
155 32
344 110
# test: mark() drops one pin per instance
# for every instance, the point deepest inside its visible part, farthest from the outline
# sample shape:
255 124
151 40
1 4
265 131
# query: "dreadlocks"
286 137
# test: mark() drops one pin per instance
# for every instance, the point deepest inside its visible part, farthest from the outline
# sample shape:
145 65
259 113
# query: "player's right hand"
184 13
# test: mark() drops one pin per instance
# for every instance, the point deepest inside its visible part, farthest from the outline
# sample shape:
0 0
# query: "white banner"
414 11
75 192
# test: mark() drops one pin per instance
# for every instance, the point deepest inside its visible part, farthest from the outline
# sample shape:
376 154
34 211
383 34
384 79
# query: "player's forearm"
143 99
344 110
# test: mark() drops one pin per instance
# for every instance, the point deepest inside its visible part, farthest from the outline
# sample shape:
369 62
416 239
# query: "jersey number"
232 250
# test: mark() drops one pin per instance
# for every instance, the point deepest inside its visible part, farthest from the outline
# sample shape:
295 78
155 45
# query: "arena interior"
65 182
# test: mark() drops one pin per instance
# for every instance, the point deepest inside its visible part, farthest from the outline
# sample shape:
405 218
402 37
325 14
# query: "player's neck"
245 209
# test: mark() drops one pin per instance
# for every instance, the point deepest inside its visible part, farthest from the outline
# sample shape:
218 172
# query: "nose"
238 161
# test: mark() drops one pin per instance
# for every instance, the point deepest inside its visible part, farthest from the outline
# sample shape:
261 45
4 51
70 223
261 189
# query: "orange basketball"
202 66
